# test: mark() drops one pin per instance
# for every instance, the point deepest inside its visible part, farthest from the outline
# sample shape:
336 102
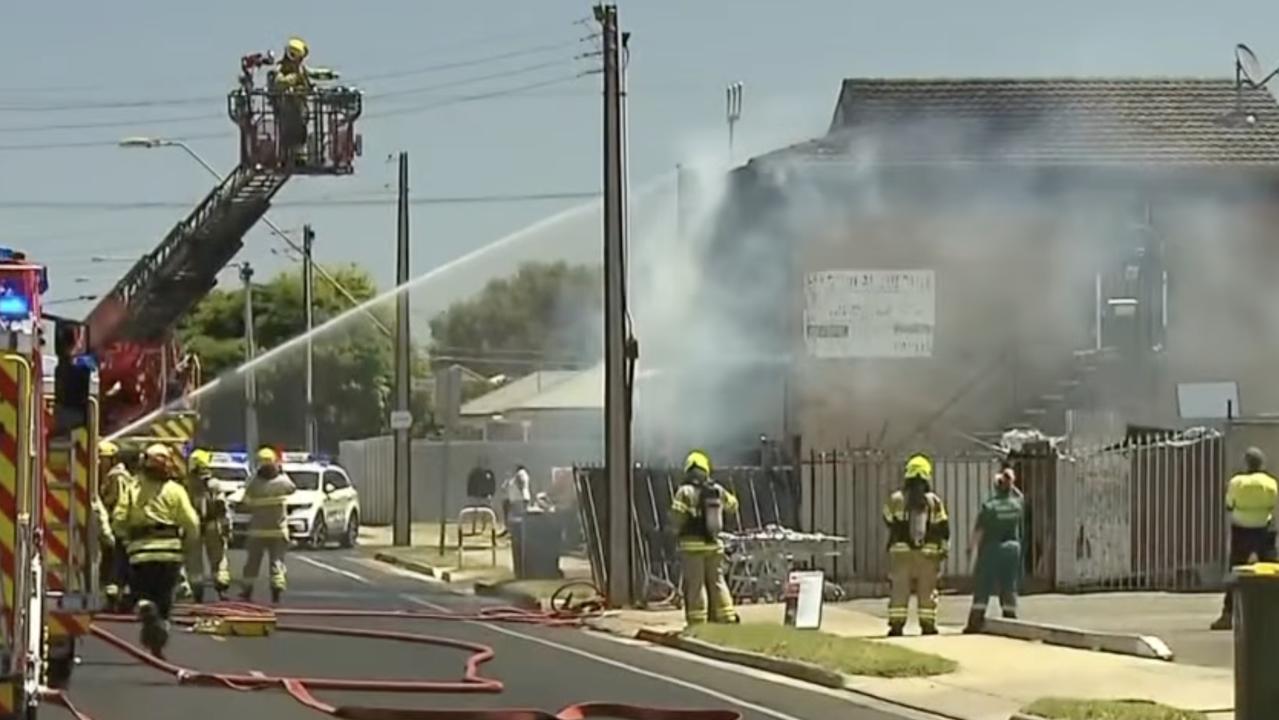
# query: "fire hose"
300 689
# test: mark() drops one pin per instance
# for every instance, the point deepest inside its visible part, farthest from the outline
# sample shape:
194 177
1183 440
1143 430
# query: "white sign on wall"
869 313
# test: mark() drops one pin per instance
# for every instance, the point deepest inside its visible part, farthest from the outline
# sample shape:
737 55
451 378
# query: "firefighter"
266 498
918 542
155 515
1251 501
697 515
214 530
290 86
114 481
997 540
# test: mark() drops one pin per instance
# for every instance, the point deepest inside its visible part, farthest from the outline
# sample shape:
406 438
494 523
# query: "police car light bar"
304 457
231 458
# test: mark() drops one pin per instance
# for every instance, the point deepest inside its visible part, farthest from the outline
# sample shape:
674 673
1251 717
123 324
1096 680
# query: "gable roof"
1051 121
583 391
512 394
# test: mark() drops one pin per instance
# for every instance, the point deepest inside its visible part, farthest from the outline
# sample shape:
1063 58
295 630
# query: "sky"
489 98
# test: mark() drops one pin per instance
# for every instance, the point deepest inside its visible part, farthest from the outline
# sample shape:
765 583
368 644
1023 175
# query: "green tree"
353 362
545 315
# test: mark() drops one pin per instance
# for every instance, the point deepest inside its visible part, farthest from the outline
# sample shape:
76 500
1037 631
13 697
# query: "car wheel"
320 533
352 535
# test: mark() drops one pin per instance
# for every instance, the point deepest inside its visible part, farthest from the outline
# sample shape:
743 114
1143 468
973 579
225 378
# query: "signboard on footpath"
803 599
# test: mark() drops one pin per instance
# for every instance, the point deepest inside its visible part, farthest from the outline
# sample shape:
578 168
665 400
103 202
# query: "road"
543 668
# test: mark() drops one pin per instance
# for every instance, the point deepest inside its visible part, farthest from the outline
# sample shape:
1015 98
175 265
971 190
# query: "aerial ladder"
131 330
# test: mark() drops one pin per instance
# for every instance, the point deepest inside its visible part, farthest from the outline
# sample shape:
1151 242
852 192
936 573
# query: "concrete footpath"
1179 619
997 676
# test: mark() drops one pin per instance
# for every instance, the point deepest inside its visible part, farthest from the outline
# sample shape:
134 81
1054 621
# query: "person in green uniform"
997 539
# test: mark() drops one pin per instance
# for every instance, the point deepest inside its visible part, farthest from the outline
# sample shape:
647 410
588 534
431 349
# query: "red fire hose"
472 680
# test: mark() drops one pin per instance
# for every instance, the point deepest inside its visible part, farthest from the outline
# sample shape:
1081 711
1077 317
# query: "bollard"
1256 628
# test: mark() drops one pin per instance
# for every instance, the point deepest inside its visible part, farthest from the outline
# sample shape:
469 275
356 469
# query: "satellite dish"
1249 65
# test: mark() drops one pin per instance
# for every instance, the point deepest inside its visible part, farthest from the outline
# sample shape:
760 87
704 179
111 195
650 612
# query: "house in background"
959 255
544 406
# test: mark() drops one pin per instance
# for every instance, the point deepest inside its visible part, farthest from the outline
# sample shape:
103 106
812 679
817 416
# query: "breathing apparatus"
710 496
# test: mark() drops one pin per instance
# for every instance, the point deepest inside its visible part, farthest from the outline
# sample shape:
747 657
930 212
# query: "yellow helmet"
919 466
267 456
296 50
199 459
699 460
108 449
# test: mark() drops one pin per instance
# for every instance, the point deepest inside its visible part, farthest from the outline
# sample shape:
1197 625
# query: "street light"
110 259
150 142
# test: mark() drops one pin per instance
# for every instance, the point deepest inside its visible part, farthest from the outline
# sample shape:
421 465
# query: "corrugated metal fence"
1144 513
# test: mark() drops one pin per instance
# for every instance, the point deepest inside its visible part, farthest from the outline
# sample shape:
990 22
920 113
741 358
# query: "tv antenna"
1248 71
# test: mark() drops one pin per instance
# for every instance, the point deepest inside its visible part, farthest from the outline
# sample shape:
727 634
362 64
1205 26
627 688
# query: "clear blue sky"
179 59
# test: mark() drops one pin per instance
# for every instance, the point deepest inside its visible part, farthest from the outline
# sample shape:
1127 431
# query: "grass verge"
852 656
1068 709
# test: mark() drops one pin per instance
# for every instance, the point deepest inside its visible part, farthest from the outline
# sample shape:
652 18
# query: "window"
336 479
304 479
234 474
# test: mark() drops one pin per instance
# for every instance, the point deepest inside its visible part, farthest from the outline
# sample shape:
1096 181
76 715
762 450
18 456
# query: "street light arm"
324 274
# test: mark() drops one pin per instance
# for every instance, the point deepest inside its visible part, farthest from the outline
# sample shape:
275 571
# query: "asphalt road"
544 668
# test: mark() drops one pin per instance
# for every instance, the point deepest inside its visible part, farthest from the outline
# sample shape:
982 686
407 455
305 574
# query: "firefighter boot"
198 593
927 627
896 629
1225 622
275 595
154 634
221 589
976 620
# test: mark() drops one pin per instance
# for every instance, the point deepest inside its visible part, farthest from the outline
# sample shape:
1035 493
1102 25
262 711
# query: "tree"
546 315
353 362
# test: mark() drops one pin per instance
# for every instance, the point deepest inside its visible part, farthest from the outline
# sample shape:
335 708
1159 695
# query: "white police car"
325 508
230 471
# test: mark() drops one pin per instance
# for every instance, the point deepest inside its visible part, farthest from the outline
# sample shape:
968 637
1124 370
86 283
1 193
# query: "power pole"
308 305
617 448
250 377
402 418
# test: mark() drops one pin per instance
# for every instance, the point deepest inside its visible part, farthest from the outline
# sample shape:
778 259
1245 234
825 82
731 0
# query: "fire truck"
144 373
33 427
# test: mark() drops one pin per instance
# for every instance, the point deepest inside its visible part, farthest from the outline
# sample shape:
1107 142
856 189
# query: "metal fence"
766 496
1145 513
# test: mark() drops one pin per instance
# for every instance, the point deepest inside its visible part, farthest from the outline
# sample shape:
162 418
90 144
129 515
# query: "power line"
138 103
407 110
349 202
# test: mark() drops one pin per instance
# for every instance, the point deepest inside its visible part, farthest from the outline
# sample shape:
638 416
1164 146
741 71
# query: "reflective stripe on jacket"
153 517
266 501
686 511
902 536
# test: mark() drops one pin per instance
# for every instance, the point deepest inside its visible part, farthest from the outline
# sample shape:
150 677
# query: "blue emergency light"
13 306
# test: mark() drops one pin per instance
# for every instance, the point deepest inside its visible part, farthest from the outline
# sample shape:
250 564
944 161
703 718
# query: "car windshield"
235 474
304 479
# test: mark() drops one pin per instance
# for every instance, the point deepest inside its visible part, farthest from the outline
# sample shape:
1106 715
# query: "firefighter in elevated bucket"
918 542
290 86
697 514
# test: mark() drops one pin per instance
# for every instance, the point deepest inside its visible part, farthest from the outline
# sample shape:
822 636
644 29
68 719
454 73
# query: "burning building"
956 256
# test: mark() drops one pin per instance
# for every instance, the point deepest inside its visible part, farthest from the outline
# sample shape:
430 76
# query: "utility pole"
401 417
250 377
617 448
732 112
308 305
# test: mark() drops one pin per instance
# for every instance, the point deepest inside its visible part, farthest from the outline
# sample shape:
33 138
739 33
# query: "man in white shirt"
516 497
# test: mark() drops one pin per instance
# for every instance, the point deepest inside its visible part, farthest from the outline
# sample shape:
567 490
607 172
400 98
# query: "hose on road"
300 689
